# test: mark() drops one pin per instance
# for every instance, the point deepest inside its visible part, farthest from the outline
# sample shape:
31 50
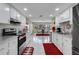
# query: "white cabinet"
67 46
18 16
66 16
4 13
13 46
23 20
8 45
63 43
60 42
13 13
4 49
7 11
57 40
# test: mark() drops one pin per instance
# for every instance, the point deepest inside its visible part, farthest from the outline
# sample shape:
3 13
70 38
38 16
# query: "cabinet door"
13 46
54 38
22 20
66 16
18 16
60 42
13 13
4 13
67 46
4 49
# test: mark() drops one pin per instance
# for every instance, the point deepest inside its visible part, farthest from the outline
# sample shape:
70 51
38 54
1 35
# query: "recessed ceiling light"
57 9
50 15
30 15
25 9
7 9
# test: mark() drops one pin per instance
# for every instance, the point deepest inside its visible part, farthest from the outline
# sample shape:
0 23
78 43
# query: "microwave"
9 31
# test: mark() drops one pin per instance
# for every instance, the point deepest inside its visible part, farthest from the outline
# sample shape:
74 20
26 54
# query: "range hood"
14 21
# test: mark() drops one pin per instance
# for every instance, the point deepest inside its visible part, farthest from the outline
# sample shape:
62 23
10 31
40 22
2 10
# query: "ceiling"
43 9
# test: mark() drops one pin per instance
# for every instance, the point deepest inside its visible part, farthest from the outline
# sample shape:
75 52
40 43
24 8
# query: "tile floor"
37 43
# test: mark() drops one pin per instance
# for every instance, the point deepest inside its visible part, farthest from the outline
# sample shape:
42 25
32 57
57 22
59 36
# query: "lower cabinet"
60 42
9 46
63 43
4 49
13 46
67 46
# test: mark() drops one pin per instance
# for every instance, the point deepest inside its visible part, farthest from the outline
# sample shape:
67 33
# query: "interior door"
75 33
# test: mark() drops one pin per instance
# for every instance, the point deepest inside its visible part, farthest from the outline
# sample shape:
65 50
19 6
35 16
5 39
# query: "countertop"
6 39
63 35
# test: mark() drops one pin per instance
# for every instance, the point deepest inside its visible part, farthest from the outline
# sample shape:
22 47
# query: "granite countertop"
64 35
5 39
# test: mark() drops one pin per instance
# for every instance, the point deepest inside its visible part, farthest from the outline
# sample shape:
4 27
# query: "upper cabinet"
4 13
23 20
9 15
13 13
17 17
66 15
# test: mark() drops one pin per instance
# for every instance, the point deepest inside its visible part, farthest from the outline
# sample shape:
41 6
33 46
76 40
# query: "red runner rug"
42 34
51 49
28 51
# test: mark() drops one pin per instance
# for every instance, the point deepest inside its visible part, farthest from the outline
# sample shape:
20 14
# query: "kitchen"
24 34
